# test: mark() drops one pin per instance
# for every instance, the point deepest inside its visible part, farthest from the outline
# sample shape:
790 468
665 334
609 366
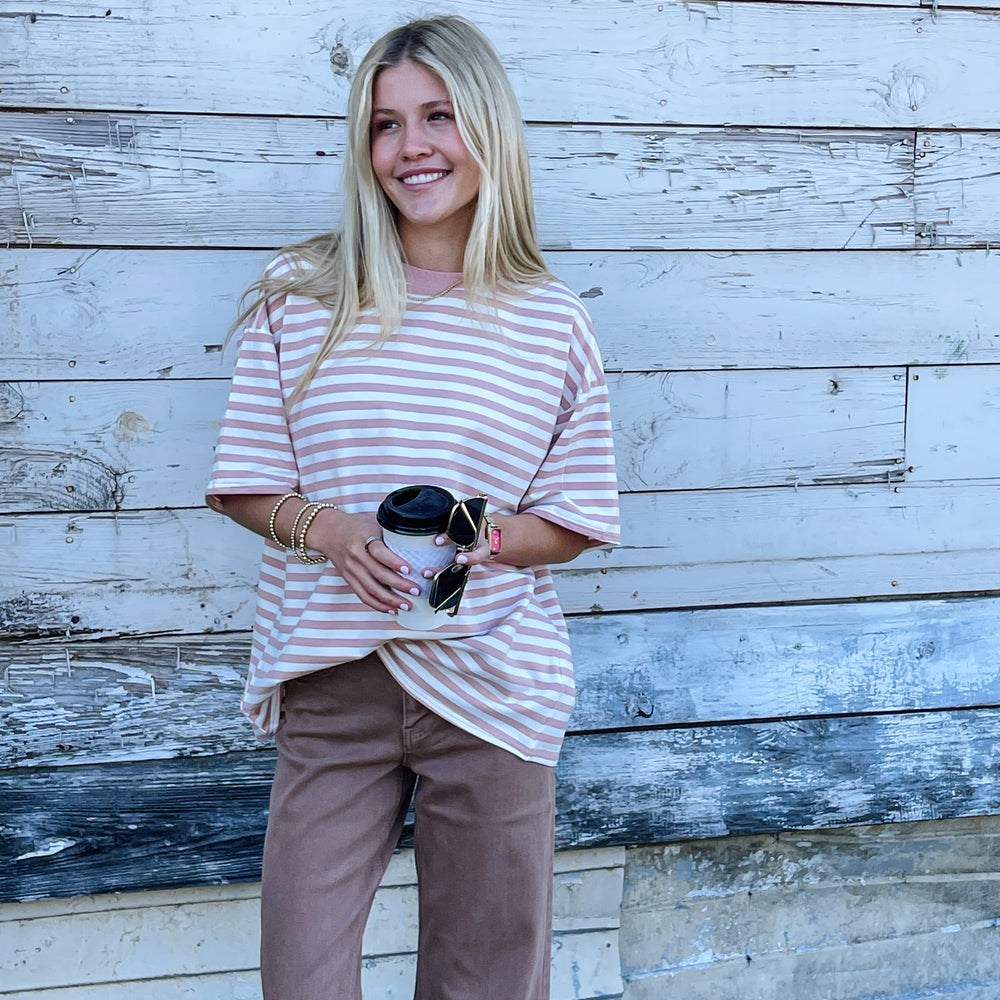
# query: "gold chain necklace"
436 295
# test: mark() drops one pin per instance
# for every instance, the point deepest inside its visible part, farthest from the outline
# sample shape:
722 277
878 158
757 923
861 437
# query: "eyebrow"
426 106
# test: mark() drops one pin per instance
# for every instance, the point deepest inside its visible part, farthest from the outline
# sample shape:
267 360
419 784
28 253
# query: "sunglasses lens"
447 588
467 521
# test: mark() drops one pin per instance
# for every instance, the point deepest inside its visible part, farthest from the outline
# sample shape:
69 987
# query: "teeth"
424 178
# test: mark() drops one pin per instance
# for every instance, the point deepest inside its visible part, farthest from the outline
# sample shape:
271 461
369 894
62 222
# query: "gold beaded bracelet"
299 548
274 514
295 524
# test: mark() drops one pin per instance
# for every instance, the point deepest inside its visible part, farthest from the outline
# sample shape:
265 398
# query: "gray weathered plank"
189 571
116 314
85 702
907 910
167 180
953 423
107 445
754 63
156 824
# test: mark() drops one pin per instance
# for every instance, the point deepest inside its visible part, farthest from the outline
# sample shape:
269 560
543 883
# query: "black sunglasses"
465 524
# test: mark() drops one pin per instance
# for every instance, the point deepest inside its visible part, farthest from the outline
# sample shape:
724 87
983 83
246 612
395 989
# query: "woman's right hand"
374 573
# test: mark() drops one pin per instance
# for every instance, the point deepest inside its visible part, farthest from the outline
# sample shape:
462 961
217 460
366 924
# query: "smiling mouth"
426 178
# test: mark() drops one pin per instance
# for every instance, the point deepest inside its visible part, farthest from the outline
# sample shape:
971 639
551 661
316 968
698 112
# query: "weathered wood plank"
661 785
94 575
696 430
953 423
108 445
957 188
211 986
84 702
956 960
756 63
132 445
906 910
196 934
143 314
401 871
155 180
584 967
200 820
139 314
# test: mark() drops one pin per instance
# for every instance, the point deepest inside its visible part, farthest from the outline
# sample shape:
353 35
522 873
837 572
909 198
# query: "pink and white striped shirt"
511 402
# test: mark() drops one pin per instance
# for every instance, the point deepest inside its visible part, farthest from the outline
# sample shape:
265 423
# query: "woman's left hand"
528 540
480 554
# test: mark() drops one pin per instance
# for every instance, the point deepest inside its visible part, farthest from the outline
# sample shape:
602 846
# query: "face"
420 159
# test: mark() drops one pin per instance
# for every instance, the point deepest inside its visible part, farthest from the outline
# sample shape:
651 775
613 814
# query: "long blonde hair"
361 266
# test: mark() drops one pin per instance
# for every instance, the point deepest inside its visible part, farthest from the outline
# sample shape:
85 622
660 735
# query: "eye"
441 116
383 125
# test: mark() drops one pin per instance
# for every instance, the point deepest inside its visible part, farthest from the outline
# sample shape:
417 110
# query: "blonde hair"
361 266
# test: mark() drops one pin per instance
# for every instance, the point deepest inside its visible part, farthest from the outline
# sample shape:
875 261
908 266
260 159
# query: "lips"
424 177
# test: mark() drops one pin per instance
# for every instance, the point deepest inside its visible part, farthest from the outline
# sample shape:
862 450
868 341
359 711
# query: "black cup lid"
416 510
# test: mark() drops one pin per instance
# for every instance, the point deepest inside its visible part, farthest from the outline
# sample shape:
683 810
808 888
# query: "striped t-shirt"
510 401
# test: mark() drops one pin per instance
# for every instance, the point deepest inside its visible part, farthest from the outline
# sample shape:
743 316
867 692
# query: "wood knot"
340 60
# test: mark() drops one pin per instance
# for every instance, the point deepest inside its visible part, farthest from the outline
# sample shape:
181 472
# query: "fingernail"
441 540
404 607
427 574
461 559
415 591
405 570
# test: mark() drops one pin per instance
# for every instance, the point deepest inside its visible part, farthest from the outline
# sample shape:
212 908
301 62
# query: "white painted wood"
208 933
131 445
584 967
213 986
957 188
953 423
755 63
114 314
143 180
111 314
762 546
108 445
683 549
694 430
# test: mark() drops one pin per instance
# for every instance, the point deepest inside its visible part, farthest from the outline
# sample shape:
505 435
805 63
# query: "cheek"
382 158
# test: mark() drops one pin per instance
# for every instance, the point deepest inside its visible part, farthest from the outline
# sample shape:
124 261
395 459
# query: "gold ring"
369 540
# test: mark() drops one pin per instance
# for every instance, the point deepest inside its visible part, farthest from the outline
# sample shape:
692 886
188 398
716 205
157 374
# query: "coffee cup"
411 518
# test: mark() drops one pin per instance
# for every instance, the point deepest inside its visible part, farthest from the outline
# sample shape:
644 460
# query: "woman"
425 343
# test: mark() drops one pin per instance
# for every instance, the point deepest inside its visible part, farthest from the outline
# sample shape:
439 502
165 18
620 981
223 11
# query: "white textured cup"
420 553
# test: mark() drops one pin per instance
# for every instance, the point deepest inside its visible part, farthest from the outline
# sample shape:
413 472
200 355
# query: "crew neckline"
423 281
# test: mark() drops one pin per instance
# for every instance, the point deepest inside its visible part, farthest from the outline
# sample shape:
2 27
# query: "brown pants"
352 746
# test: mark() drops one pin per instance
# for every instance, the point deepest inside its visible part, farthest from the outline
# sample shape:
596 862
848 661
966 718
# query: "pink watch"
493 535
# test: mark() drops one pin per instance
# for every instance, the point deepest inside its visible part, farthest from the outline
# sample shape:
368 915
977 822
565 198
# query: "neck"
434 250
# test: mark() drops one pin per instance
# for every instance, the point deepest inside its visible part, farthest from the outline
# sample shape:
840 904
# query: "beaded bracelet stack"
304 517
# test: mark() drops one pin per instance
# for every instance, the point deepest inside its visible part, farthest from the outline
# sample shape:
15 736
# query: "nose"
416 143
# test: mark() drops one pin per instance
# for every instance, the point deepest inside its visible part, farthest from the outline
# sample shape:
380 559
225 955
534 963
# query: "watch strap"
494 536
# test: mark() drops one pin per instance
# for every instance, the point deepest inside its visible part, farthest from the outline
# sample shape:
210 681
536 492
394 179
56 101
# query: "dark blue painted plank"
154 824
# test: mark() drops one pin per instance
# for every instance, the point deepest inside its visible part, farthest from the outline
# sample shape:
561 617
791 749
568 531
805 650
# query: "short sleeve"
254 451
576 485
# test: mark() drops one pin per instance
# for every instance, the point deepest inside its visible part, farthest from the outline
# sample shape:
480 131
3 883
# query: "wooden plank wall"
781 215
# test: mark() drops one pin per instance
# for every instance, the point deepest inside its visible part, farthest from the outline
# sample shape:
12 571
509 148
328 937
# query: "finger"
474 556
384 556
384 590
